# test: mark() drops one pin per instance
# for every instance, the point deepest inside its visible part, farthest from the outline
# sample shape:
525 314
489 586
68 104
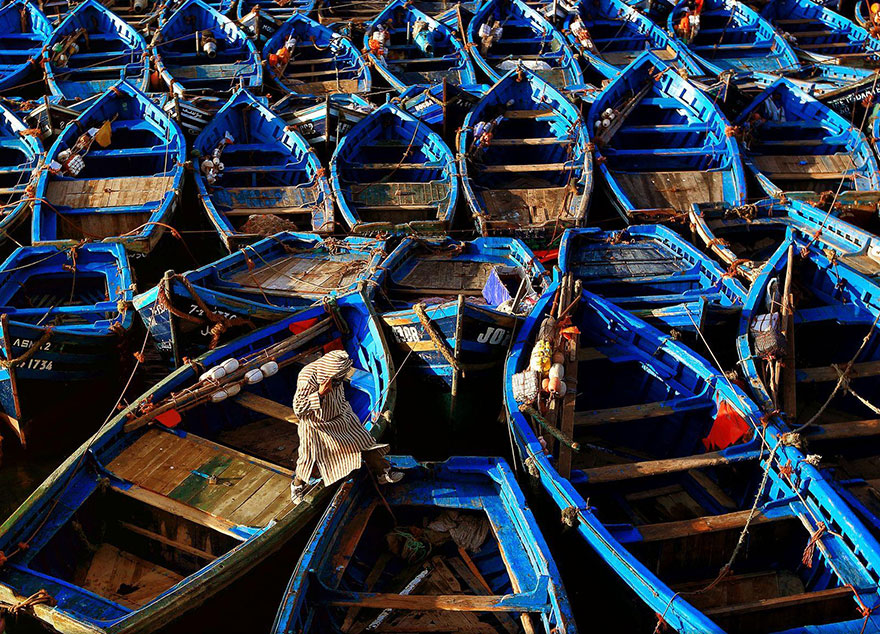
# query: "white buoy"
254 376
269 369
230 365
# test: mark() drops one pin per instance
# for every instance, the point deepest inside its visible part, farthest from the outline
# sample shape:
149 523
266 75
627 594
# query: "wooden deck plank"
106 193
708 524
254 506
112 569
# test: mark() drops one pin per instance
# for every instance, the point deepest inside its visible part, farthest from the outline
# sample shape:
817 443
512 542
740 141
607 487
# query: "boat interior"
412 65
122 185
806 147
396 171
532 172
152 504
444 566
264 172
194 70
314 67
651 462
666 149
108 49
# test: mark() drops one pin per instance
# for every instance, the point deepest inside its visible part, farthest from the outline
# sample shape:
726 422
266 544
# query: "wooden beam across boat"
709 524
637 412
648 468
829 373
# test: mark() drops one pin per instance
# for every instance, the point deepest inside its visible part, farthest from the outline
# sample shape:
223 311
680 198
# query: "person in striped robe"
332 441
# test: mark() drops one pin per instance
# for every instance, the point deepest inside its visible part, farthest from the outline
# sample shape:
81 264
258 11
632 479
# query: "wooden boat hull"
271 174
313 73
235 63
479 337
533 36
683 155
809 150
469 486
236 537
27 30
191 313
535 177
618 33
653 558
653 273
120 52
734 37
22 158
405 64
744 240
79 342
125 193
436 307
423 194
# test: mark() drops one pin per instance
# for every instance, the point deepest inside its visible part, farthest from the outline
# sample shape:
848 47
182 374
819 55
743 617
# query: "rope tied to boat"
843 381
221 323
570 516
717 242
735 267
809 551
40 597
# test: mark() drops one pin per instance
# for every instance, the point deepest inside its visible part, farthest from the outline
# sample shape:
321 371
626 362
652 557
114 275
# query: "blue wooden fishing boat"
796 146
24 30
526 38
534 174
321 62
823 372
325 122
831 84
744 238
190 313
819 34
474 560
454 305
610 34
91 50
392 173
20 156
663 144
65 315
200 51
267 177
653 273
115 175
188 488
677 480
418 50
273 9
733 37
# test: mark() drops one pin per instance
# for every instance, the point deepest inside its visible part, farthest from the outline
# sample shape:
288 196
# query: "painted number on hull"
38 364
493 336
406 334
27 343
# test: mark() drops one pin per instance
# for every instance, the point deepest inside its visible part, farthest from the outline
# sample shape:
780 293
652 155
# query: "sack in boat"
767 335
526 385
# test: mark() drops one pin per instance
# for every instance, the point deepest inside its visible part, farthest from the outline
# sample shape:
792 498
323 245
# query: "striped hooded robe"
331 436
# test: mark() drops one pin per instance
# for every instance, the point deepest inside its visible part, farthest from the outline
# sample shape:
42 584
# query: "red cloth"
301 326
171 418
728 429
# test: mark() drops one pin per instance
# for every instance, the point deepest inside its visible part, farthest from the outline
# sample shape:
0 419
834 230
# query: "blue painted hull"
793 143
268 169
392 174
144 161
22 154
119 53
653 273
25 30
666 148
611 495
192 71
540 140
65 319
342 72
175 311
513 561
97 485
475 331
